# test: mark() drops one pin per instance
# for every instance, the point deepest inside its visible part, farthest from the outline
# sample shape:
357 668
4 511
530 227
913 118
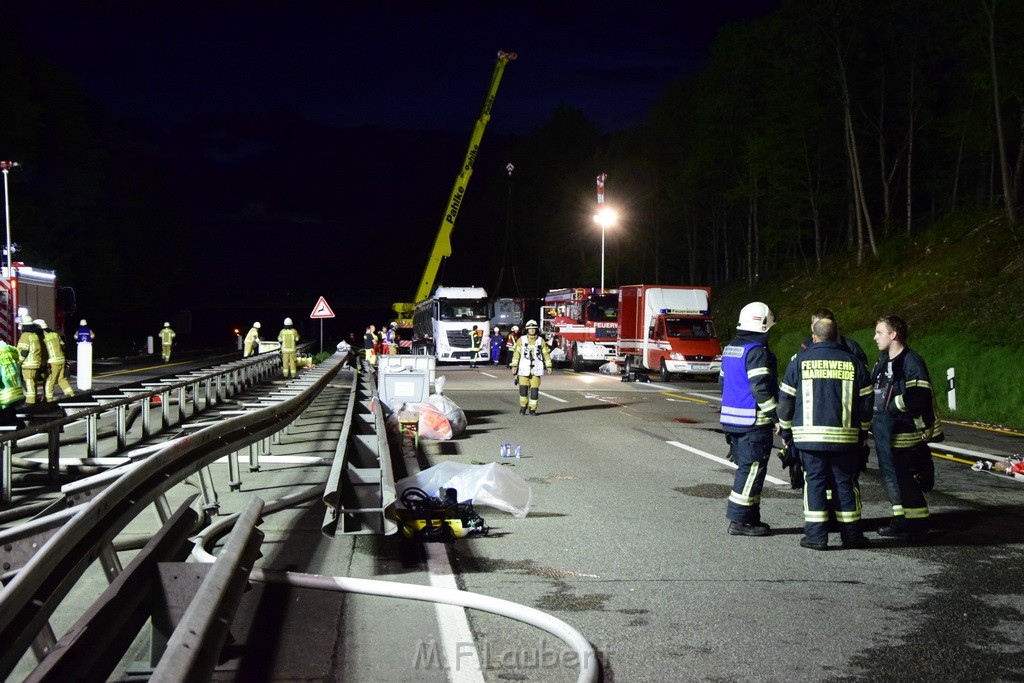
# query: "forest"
823 129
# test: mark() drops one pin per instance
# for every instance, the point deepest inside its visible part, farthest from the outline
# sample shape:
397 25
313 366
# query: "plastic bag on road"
490 484
557 355
610 368
439 385
456 416
433 424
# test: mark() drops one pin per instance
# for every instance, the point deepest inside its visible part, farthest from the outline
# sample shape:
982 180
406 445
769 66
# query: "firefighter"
847 343
30 346
510 341
252 339
11 392
476 336
903 422
55 362
84 333
392 339
749 390
289 338
497 344
825 410
370 345
531 360
166 340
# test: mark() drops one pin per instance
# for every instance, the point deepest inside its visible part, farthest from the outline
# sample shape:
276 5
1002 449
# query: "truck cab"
442 324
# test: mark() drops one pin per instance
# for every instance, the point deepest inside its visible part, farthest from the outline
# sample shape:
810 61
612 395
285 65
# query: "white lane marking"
553 398
705 454
487 374
457 642
963 451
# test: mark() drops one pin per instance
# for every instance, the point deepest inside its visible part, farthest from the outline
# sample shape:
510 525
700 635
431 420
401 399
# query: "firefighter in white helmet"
166 340
30 346
531 361
750 390
252 338
497 344
289 338
391 339
55 361
84 333
511 340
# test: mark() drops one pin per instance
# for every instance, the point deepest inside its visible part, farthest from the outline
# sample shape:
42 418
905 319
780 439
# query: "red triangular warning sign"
321 310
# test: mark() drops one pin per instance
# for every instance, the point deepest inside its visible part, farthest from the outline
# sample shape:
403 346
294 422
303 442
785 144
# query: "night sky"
355 117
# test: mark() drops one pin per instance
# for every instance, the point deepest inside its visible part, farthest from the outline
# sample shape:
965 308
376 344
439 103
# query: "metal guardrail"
217 386
35 592
361 486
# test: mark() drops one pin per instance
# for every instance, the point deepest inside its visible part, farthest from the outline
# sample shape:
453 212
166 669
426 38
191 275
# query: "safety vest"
84 334
532 357
825 398
738 405
31 350
10 377
474 340
54 347
289 338
166 335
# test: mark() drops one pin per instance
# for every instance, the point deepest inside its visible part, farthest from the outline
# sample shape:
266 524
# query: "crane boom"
442 243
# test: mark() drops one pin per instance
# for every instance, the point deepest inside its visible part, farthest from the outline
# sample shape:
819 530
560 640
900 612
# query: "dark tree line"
826 127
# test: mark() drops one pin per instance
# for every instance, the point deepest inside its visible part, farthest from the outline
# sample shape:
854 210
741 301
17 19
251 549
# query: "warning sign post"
320 311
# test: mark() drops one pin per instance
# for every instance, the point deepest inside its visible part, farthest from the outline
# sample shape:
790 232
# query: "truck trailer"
668 329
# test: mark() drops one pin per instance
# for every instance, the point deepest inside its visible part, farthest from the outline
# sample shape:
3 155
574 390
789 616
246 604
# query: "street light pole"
6 166
605 218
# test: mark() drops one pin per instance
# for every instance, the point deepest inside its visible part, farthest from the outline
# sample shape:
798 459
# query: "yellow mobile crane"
442 243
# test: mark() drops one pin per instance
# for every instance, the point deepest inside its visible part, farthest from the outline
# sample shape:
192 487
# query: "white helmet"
531 323
256 325
82 322
167 324
496 329
515 328
756 317
26 319
287 321
394 324
40 323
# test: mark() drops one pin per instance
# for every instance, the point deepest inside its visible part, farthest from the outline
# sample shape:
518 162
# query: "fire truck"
33 292
668 329
584 322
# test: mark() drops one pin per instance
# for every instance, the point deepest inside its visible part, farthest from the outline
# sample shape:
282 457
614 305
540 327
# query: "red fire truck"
584 323
33 292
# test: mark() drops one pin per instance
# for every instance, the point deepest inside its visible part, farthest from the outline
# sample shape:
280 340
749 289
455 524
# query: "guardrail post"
110 562
44 642
234 477
6 493
53 454
182 399
211 503
92 438
254 456
121 413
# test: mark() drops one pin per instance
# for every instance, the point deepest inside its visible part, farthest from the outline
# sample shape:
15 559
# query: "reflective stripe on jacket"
54 347
289 338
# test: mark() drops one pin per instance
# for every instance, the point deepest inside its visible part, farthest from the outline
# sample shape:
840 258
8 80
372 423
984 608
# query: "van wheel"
629 366
577 362
665 374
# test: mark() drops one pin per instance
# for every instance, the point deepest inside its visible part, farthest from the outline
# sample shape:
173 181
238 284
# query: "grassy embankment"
959 286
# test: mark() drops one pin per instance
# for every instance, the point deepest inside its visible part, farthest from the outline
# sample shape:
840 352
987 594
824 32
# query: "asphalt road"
626 540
